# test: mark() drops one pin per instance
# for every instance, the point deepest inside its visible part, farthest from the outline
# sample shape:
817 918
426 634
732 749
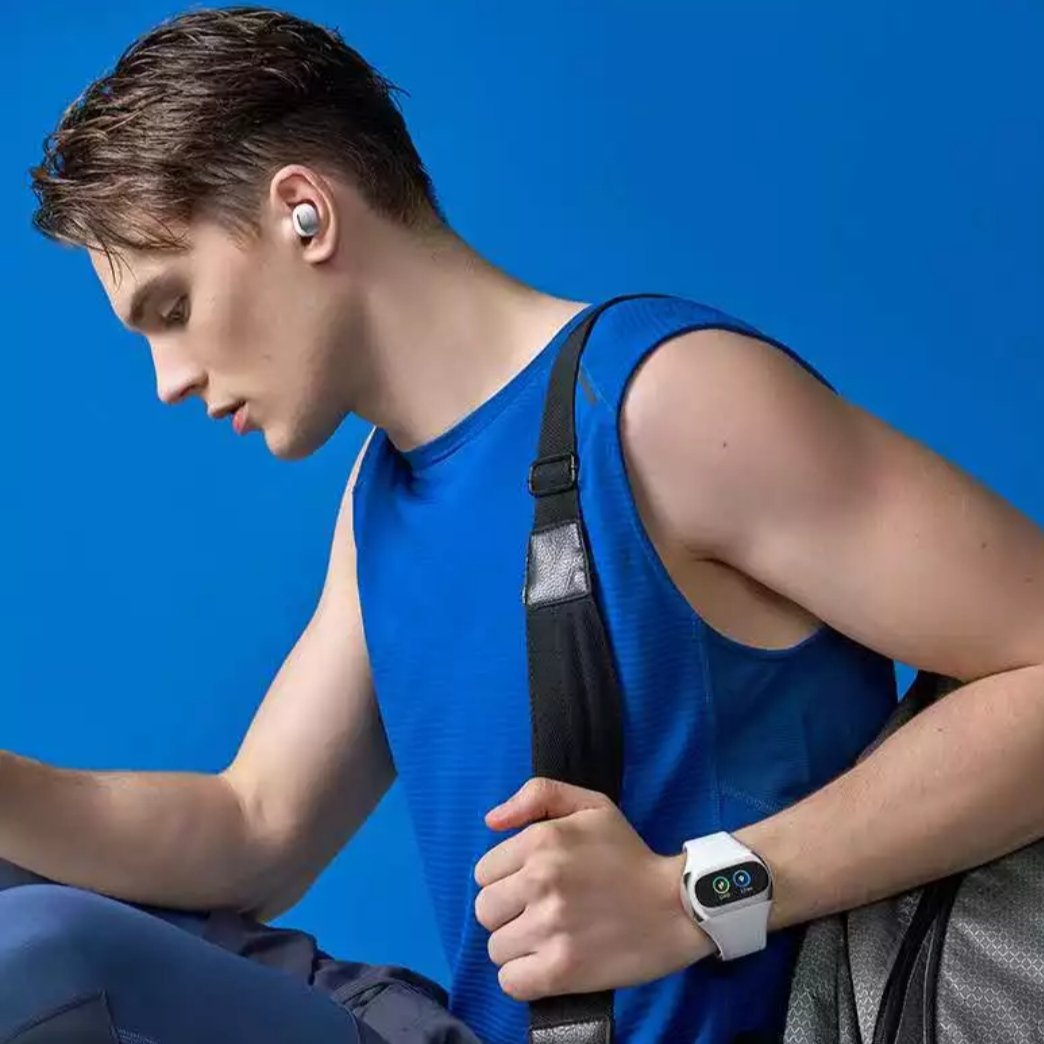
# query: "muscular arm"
315 761
310 769
745 457
169 838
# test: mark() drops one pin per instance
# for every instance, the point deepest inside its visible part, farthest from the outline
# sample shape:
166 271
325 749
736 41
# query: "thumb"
542 798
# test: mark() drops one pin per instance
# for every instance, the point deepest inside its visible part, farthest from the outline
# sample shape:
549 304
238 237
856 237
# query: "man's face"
232 324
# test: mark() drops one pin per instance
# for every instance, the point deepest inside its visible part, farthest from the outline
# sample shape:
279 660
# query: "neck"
445 330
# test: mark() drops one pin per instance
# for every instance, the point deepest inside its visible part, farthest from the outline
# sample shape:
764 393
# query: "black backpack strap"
574 695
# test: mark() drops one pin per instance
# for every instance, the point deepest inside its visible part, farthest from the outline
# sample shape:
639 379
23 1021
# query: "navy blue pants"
77 967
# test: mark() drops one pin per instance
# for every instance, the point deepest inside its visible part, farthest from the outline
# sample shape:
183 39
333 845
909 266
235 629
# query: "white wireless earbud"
306 220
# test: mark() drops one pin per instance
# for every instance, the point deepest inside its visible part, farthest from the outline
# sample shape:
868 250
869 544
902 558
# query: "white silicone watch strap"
735 932
720 848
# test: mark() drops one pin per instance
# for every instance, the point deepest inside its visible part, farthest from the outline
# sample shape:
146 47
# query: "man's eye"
176 316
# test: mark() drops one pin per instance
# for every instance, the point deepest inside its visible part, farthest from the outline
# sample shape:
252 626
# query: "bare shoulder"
746 457
699 422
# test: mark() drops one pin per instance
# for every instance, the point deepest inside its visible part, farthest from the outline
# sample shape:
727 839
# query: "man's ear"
291 186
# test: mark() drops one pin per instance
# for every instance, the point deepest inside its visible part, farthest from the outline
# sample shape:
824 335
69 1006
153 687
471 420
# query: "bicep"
753 461
315 760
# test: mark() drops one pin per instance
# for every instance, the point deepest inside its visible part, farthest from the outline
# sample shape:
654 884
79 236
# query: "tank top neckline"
441 446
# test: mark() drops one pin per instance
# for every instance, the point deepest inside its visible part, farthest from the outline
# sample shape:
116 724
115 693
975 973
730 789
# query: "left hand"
579 903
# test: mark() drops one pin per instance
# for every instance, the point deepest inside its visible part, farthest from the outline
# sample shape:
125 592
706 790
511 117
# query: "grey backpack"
959 961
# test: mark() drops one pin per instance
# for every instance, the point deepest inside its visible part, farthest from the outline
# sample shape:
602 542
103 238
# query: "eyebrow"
142 296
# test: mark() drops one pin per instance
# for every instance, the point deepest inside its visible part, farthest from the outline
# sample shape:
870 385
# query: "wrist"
727 888
686 938
771 846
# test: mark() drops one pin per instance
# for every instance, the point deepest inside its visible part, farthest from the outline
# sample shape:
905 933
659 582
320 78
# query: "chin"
286 449
294 443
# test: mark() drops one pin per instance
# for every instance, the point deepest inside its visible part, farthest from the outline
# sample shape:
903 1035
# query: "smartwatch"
727 890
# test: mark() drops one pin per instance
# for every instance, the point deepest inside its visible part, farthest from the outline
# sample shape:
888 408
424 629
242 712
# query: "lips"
239 420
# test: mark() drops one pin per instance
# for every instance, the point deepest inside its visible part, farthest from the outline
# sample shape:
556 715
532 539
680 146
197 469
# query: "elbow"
276 903
264 873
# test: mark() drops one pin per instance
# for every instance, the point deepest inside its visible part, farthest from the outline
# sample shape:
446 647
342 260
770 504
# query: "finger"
501 902
510 856
526 978
521 936
542 798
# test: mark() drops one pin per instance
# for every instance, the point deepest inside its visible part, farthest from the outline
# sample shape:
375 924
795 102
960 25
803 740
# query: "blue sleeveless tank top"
718 734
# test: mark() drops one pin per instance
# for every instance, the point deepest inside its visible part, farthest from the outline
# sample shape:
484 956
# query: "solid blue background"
861 181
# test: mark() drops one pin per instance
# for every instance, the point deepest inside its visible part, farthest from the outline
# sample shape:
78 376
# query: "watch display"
731 884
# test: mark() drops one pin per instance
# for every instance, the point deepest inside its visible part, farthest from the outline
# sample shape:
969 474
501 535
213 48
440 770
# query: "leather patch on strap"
594 1032
85 1020
556 569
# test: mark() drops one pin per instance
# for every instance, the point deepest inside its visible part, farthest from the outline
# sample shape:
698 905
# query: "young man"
253 205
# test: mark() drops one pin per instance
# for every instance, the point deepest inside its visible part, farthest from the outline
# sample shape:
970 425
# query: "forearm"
176 839
959 785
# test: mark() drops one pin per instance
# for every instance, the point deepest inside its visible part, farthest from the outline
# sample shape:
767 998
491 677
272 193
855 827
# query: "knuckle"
553 914
534 790
548 836
545 872
540 837
562 959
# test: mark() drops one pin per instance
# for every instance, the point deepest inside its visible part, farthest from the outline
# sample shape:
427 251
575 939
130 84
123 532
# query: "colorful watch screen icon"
731 884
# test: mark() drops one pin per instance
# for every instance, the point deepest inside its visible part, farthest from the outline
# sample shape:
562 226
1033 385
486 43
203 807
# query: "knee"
51 954
55 926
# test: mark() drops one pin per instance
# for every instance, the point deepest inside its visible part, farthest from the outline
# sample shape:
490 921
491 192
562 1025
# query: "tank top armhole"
611 401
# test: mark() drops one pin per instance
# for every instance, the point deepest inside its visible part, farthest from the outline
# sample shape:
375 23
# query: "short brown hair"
197 115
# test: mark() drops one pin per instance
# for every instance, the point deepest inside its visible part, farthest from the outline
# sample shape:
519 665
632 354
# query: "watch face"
730 885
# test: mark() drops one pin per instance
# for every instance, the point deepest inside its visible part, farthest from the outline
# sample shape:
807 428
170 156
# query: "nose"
176 379
172 392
